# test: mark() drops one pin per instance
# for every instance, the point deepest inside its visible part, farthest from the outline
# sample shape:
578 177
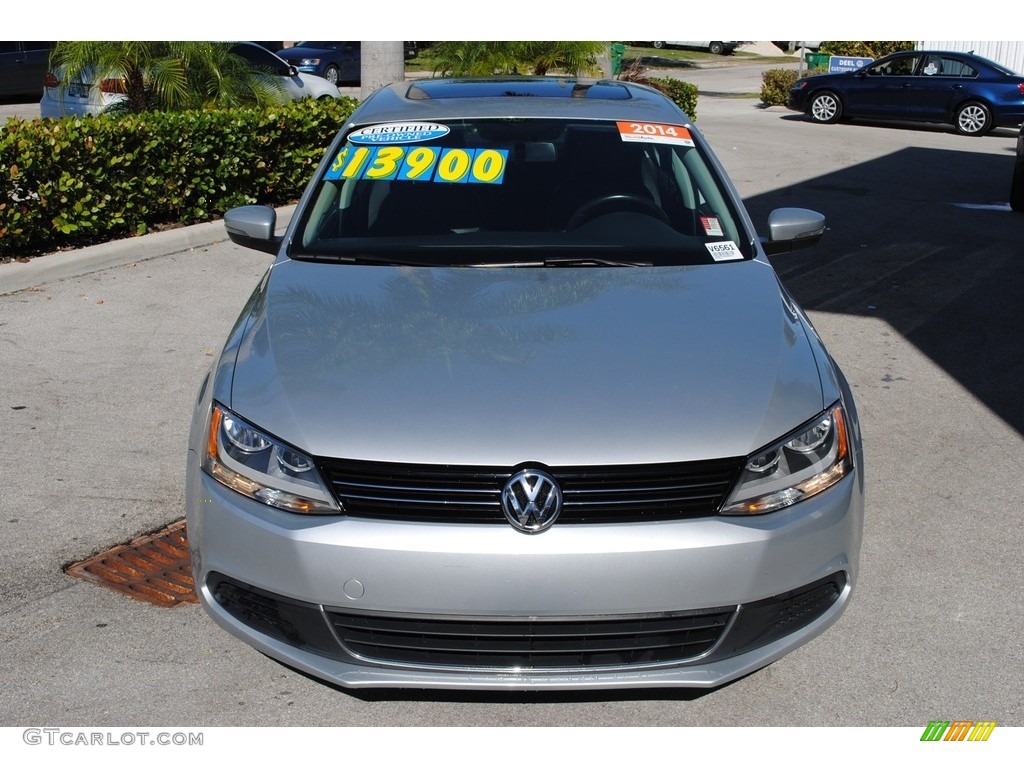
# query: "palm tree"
166 75
481 58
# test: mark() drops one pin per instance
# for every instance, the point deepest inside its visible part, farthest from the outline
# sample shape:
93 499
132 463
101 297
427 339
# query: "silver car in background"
521 404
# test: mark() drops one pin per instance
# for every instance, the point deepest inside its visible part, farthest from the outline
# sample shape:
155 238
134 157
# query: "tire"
331 74
973 119
825 107
657 44
717 48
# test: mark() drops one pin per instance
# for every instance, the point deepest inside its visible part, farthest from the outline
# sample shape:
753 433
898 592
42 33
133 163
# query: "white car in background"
717 47
92 98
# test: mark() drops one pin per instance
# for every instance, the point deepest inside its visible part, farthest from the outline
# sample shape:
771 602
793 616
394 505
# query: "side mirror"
292 71
252 226
792 228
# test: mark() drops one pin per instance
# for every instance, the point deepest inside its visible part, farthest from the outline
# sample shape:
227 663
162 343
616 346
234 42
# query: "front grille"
532 644
467 494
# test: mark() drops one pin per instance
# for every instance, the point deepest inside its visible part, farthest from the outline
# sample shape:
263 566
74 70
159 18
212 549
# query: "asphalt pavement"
915 290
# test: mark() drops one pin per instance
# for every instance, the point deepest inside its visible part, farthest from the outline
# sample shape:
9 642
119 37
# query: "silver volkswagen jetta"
522 404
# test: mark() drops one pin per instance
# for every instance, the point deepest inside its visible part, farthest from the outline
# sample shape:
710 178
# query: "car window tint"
944 66
901 66
259 58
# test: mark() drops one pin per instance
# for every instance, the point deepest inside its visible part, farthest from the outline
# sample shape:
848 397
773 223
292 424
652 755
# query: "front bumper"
329 595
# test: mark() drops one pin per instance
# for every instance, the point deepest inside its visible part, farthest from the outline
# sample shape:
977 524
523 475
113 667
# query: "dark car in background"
335 61
969 92
22 67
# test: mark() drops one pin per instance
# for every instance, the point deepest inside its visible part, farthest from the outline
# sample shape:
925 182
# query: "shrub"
73 182
682 93
775 85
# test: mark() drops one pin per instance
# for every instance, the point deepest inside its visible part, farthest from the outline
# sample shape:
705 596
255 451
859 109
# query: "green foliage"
775 85
73 182
167 75
476 58
682 93
871 49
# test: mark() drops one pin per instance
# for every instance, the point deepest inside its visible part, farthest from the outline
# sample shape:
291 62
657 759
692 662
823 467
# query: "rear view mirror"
792 228
252 226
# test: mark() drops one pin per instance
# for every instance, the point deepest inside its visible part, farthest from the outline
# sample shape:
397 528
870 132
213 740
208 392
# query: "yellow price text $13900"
420 163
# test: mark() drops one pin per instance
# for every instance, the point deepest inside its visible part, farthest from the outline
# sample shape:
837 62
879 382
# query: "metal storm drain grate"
155 568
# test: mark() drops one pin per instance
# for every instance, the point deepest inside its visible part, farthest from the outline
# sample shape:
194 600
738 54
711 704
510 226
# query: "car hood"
509 365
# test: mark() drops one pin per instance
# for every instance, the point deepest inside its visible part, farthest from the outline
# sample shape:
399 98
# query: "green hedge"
682 93
74 182
775 85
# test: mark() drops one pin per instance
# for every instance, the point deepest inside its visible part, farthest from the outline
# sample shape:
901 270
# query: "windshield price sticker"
420 163
724 250
398 133
657 133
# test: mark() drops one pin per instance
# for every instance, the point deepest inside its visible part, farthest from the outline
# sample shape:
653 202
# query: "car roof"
539 97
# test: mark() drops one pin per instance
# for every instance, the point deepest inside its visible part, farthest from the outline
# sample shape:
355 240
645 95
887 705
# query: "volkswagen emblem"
531 500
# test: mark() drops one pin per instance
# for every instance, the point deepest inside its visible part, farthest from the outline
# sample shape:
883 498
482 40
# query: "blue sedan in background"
335 61
972 93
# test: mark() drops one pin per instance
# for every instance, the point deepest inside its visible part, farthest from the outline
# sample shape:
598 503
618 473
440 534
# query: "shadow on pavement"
925 240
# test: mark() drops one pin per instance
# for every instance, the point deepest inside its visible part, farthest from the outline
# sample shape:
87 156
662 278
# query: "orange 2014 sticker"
656 133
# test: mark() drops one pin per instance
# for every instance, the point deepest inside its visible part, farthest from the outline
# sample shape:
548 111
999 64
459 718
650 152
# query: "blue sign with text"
846 63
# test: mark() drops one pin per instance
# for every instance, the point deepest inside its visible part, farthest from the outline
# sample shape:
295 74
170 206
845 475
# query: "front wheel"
657 43
973 119
825 107
331 74
716 48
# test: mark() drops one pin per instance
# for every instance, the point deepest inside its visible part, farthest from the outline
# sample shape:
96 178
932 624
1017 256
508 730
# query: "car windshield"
515 191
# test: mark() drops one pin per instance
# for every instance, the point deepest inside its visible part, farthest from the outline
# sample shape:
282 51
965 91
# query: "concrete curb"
63 265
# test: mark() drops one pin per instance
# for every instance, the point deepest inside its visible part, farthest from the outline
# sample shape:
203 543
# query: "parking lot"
915 289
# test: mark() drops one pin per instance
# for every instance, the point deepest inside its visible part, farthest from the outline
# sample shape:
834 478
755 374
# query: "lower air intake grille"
533 644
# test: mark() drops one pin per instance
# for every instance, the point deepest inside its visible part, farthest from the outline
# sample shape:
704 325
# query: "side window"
946 67
934 65
957 68
902 66
259 58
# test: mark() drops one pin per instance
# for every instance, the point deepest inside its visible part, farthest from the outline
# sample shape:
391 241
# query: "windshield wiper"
592 261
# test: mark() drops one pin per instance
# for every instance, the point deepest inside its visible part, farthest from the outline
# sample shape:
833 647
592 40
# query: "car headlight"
806 462
308 62
256 465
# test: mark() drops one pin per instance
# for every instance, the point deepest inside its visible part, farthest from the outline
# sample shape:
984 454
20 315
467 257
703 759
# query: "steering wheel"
599 206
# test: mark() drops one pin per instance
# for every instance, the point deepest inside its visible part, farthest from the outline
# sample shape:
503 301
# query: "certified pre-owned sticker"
398 133
724 250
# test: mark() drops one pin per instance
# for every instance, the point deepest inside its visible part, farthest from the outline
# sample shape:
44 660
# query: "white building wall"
1008 53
